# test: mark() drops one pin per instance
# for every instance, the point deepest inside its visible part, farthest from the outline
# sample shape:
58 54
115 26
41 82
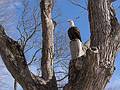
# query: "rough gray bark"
15 61
97 66
48 43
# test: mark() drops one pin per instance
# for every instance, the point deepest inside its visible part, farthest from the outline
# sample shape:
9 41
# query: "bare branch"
14 59
33 58
15 85
62 78
77 4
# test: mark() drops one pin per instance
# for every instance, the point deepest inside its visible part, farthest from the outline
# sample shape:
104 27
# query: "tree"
97 66
89 72
13 56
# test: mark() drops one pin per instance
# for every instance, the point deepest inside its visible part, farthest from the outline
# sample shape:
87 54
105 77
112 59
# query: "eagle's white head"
71 22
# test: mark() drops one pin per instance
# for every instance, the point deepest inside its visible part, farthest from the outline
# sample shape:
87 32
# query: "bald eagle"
73 31
76 42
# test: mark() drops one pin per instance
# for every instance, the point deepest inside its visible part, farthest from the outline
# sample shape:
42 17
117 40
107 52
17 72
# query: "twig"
74 3
33 58
62 78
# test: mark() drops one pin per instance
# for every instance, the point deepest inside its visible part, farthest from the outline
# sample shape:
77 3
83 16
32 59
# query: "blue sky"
69 11
66 10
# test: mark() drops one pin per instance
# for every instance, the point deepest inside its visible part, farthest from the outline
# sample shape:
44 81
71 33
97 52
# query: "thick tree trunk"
97 66
48 46
48 43
15 61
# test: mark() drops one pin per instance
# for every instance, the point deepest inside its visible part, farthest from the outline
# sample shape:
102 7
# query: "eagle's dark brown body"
74 33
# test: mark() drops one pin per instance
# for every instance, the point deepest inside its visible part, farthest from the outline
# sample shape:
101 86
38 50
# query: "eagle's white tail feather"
76 49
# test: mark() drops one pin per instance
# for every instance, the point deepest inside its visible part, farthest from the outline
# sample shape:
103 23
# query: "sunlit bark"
97 65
